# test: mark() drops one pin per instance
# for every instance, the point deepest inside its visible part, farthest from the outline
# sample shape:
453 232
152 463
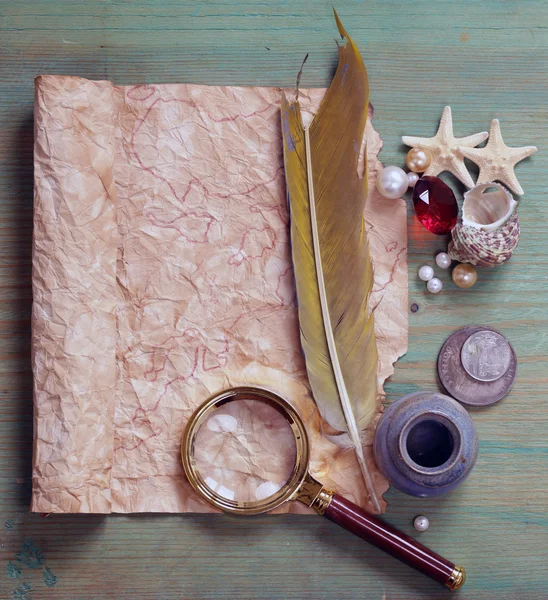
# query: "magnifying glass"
246 451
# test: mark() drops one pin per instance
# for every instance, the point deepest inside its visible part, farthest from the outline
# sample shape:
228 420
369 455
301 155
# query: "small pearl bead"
464 276
392 182
426 273
434 285
421 523
412 178
443 260
418 160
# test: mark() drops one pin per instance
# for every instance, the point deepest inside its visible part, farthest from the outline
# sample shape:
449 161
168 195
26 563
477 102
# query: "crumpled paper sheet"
162 274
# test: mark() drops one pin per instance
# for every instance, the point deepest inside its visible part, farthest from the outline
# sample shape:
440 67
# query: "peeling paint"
49 578
30 555
13 570
22 593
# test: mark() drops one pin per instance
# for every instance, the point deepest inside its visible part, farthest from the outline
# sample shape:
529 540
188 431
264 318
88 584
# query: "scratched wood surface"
486 59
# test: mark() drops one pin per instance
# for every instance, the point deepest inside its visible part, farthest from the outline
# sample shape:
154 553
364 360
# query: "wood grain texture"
486 59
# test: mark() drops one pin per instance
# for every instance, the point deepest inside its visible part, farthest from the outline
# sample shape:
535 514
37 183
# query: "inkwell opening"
430 443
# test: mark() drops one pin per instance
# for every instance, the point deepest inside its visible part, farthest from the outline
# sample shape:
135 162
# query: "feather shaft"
353 430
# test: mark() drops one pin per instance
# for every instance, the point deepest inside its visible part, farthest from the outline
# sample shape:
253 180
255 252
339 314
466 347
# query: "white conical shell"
487 207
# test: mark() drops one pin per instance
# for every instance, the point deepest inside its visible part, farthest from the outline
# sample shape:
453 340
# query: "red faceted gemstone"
435 205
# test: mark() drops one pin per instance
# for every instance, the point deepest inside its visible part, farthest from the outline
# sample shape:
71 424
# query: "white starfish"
497 161
445 149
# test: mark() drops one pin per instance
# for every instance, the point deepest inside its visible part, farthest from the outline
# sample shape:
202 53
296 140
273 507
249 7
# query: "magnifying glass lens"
245 451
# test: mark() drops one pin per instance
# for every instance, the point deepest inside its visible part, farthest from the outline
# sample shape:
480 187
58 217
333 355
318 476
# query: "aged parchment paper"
162 274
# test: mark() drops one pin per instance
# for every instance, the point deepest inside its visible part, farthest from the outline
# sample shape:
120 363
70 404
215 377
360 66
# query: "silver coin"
486 355
462 386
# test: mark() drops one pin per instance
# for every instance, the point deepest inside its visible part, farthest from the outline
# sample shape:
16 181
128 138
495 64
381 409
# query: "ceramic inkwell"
426 444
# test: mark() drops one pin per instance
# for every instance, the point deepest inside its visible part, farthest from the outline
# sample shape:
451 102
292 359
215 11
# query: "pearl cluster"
393 182
464 275
426 273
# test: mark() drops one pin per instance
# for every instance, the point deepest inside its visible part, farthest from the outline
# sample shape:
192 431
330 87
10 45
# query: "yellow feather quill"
333 269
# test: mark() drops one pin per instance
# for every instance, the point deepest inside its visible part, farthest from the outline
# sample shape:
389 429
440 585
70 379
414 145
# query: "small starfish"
497 161
445 149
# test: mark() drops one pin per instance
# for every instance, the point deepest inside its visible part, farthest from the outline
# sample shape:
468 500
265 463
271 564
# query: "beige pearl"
418 160
465 276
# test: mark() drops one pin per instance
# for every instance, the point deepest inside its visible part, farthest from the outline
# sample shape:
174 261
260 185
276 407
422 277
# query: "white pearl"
392 182
426 273
421 523
443 260
434 285
412 179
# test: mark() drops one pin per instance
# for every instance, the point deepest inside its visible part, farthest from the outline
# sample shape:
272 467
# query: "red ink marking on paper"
184 228
178 223
202 357
278 286
142 91
242 255
392 272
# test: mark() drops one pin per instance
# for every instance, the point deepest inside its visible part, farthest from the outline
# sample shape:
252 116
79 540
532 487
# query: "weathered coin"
460 384
486 355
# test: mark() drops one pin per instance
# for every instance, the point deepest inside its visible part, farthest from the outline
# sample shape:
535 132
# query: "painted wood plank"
487 59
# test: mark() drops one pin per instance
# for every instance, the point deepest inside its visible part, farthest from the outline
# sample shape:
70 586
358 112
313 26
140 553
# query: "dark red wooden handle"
387 538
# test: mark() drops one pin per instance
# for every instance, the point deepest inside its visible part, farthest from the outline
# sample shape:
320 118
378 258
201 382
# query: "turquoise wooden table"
486 59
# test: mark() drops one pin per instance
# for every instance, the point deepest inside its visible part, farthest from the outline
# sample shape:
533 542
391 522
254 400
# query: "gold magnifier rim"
300 470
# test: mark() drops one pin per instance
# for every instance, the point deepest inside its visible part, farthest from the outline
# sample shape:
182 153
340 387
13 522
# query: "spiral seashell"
484 248
488 232
487 206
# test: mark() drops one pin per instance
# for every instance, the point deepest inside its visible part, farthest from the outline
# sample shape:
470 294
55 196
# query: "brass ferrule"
312 493
322 501
456 579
